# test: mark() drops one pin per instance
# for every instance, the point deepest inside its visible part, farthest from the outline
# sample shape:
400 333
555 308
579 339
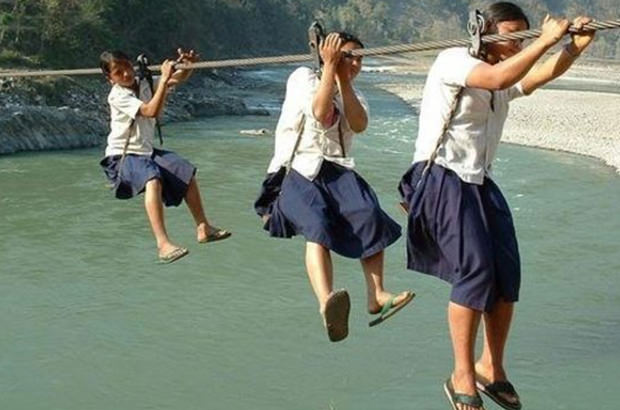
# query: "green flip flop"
458 398
390 309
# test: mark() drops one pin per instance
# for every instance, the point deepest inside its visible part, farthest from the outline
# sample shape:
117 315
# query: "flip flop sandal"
336 315
496 392
390 309
216 234
173 256
457 398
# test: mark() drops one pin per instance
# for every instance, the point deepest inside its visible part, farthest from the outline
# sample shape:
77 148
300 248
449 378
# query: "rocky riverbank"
63 113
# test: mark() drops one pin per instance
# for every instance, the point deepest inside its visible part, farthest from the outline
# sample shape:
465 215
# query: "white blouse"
124 108
317 142
473 136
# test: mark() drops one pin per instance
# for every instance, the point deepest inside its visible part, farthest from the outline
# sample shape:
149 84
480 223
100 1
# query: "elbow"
148 112
358 126
322 112
321 116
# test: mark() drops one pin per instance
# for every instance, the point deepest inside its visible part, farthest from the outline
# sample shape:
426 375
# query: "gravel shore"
572 119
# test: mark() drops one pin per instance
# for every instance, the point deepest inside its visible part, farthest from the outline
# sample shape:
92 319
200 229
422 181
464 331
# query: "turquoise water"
89 321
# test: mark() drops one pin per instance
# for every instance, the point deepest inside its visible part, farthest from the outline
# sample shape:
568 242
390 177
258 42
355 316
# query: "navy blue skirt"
174 172
462 233
338 210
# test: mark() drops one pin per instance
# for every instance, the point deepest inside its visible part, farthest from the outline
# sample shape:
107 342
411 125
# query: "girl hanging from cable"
321 197
133 165
460 228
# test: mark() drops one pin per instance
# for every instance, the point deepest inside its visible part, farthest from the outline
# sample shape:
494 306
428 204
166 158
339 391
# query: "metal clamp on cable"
143 68
316 35
476 27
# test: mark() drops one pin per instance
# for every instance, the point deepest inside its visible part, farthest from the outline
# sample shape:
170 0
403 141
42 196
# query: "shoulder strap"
300 132
442 137
340 138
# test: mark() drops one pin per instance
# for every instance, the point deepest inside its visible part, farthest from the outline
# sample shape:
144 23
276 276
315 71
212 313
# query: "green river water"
88 320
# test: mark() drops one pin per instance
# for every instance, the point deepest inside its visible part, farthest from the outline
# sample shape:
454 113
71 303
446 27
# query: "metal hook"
476 27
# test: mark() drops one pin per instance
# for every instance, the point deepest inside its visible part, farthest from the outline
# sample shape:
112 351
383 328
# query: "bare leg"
155 212
497 323
463 323
194 203
373 273
320 271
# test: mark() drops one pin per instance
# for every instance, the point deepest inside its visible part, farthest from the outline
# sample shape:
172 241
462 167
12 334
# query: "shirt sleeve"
126 102
303 85
515 91
455 65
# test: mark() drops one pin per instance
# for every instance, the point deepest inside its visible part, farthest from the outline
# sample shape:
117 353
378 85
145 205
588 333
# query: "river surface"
88 320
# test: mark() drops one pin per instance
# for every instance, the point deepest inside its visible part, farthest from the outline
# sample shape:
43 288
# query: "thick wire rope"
298 58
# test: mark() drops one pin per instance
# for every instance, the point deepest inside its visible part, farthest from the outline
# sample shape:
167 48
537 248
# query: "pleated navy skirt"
174 172
462 233
338 210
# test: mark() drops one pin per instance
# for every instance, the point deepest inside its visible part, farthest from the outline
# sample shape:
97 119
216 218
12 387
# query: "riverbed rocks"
66 112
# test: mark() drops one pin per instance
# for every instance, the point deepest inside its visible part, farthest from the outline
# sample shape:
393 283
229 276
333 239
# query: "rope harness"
300 58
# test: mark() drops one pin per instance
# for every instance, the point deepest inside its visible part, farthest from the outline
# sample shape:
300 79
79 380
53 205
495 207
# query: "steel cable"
298 58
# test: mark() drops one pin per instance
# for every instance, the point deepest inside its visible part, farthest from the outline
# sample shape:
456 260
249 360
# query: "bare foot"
489 373
202 232
209 233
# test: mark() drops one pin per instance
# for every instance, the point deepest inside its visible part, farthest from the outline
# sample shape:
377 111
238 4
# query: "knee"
153 184
152 189
316 248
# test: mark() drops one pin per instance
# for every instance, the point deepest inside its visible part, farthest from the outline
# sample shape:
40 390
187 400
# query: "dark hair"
350 38
108 57
504 11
